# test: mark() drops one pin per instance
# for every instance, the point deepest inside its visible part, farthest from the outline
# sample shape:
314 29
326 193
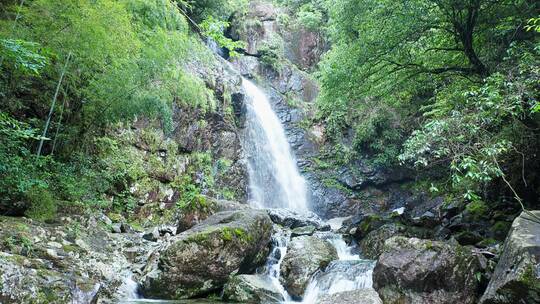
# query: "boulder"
189 217
517 275
200 260
372 244
369 223
412 270
292 219
306 230
251 289
364 296
305 255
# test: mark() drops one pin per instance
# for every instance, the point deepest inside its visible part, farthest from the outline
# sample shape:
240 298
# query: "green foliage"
128 60
271 51
533 25
214 29
310 17
475 130
219 9
22 55
397 55
19 169
42 204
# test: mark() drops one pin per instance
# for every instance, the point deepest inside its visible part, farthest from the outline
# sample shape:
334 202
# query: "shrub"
42 204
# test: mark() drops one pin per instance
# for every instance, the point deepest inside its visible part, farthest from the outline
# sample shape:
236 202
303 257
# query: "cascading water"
349 272
273 175
276 183
273 264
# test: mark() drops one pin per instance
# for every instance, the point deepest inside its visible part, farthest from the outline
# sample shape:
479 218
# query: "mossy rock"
201 259
516 278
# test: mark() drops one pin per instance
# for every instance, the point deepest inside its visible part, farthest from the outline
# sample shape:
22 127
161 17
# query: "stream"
275 182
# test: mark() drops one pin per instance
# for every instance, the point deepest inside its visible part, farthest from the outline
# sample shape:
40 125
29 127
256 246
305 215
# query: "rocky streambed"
245 255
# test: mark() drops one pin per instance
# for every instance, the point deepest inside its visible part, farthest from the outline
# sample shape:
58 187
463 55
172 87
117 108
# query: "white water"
349 272
273 263
128 290
273 175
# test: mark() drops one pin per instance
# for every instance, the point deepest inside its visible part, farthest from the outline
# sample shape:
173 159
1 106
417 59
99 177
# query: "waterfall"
276 183
273 175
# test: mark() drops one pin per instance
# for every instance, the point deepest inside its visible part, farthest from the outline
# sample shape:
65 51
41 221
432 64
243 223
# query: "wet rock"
412 270
292 219
306 230
201 259
251 289
305 255
152 235
364 296
369 223
372 245
517 276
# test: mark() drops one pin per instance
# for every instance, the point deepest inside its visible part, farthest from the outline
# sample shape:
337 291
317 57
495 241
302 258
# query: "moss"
369 223
70 248
42 204
227 234
477 208
22 227
115 217
487 242
500 229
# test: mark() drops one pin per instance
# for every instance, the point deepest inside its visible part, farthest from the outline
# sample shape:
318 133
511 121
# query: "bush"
42 204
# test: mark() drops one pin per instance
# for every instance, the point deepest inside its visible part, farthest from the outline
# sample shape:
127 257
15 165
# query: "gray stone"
116 228
292 219
305 255
517 275
412 270
200 260
306 230
251 289
372 244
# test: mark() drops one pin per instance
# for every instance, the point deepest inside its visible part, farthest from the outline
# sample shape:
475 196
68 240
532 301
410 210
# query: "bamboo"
53 105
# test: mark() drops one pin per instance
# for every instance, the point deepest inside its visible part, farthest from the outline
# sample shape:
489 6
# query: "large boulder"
200 260
412 270
372 244
189 217
251 289
364 296
517 276
292 219
305 255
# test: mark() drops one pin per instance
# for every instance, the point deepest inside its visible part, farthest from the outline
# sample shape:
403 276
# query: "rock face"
517 276
251 289
364 296
419 271
201 259
305 255
52 263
